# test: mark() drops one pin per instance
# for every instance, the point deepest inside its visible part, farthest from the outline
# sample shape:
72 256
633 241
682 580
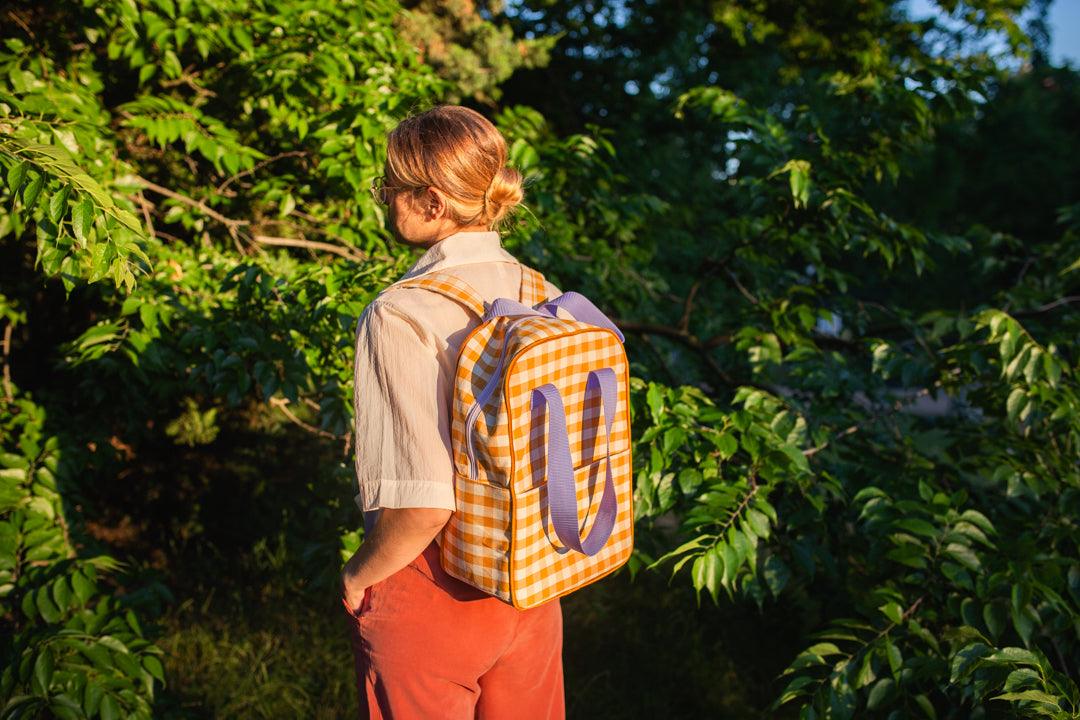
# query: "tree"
189 180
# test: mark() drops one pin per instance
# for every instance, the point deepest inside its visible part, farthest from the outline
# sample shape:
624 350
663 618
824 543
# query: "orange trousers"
428 646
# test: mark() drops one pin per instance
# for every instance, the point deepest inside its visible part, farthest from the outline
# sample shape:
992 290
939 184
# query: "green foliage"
473 55
194 175
193 427
78 652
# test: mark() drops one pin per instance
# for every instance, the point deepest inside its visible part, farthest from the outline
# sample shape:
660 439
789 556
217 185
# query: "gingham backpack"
541 444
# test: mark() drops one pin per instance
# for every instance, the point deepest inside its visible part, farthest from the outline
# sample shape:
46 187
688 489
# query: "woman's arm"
399 536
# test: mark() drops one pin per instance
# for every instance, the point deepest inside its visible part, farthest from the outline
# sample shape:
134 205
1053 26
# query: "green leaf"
58 204
965 659
758 522
1035 695
879 693
977 518
654 398
61 593
154 667
896 660
243 38
707 571
129 221
28 607
918 527
726 444
83 586
64 708
665 492
824 649
146 72
689 480
731 564
45 605
1023 624
926 706
794 689
1020 678
43 670
1015 655
674 438
32 190
893 612
963 555
994 615
685 547
16 176
109 708
796 456
776 574
866 673
800 181
1015 403
92 697
82 219
114 644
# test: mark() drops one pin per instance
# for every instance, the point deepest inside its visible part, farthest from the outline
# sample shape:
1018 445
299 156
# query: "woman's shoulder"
384 315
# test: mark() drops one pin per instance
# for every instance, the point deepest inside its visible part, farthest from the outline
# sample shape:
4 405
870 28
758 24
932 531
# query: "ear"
435 205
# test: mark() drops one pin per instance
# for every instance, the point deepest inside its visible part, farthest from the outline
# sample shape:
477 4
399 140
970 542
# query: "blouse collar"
461 248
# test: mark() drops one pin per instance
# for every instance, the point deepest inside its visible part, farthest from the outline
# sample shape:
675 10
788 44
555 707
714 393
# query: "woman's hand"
399 536
352 592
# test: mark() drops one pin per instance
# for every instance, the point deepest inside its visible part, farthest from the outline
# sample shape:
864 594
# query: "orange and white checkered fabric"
500 537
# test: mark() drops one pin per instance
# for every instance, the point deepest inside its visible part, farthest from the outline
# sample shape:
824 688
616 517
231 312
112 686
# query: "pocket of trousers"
365 603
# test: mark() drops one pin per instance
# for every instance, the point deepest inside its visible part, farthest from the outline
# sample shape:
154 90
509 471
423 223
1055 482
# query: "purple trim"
506 306
562 493
582 309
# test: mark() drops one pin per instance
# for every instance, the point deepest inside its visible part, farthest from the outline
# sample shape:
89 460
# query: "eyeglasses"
378 190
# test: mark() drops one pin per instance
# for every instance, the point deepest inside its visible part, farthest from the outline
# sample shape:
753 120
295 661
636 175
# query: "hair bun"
504 192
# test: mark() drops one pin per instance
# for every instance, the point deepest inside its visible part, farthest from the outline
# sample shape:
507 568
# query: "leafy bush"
193 176
77 650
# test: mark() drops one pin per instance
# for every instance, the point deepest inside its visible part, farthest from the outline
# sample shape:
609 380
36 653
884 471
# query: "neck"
462 229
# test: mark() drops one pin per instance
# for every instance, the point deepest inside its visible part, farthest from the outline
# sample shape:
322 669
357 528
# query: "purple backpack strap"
582 309
562 493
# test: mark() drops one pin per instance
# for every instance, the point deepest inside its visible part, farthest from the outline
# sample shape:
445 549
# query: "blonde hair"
460 152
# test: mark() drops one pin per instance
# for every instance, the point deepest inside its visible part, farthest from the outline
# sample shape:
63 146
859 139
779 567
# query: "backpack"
541 444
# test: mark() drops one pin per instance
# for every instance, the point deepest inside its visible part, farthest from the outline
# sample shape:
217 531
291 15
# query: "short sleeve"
400 399
551 290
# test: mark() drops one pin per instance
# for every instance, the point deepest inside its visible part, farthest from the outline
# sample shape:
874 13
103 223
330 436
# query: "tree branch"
8 394
1051 305
145 206
232 225
282 403
685 337
684 321
345 252
815 450
745 293
259 166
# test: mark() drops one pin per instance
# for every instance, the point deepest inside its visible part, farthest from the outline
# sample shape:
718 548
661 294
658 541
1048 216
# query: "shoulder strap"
450 286
532 286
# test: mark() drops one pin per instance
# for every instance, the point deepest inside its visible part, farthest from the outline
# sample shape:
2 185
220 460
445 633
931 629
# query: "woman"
427 645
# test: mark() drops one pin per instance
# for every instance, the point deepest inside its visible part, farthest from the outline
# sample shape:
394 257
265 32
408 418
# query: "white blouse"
407 342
